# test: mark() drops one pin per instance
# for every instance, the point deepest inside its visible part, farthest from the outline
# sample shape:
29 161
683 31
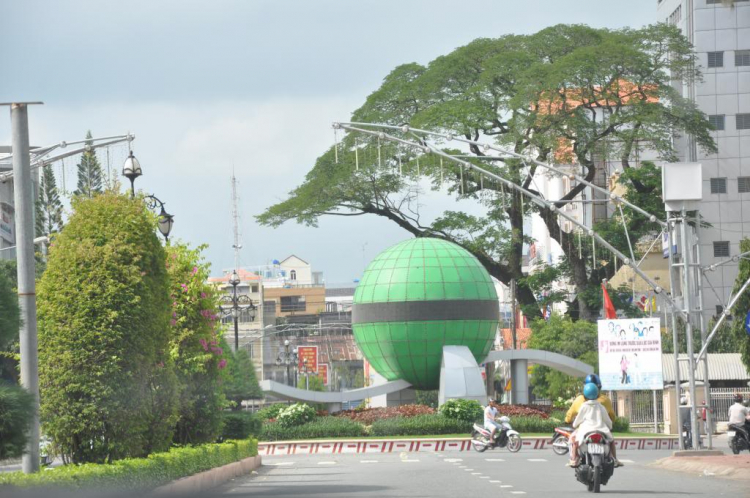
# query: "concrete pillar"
519 374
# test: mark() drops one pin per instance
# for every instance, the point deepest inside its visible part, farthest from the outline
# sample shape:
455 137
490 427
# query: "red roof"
244 276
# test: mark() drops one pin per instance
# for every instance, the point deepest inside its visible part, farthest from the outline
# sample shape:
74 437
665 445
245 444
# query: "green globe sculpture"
416 297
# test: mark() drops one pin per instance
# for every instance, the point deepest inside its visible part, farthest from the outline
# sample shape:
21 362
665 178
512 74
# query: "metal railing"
722 398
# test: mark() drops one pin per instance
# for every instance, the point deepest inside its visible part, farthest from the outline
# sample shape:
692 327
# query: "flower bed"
421 425
321 427
137 474
370 415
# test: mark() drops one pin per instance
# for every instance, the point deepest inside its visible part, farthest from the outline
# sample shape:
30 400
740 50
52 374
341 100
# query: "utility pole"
513 323
24 209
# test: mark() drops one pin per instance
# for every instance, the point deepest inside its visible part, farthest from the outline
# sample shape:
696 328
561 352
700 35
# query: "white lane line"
506 486
494 460
368 461
484 477
278 464
462 466
476 473
518 492
536 459
469 470
326 463
409 461
495 482
627 461
453 460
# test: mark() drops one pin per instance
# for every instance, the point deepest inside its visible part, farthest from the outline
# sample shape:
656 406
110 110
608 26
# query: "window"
742 58
675 16
718 185
743 184
716 59
292 303
254 289
716 121
743 121
293 275
721 249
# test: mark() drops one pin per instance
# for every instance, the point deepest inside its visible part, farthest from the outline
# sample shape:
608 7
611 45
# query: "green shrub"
467 410
240 425
16 408
137 474
421 425
271 412
296 414
322 427
621 424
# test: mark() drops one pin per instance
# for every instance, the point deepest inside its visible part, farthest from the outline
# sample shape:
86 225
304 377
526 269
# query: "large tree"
90 180
106 383
567 94
741 308
49 209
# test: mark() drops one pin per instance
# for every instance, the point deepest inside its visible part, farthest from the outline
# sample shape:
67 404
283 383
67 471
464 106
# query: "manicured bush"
296 414
462 409
621 424
136 474
271 412
240 425
420 426
369 415
16 408
323 427
104 311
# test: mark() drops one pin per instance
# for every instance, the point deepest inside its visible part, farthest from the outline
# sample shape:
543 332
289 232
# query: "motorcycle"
739 439
561 440
504 438
597 466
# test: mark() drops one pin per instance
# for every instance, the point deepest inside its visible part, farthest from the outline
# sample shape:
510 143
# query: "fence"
722 398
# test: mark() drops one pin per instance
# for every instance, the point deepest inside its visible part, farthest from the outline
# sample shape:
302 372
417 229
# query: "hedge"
240 425
322 427
16 408
137 474
421 425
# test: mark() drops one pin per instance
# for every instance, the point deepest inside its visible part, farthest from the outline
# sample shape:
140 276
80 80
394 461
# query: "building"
720 32
7 210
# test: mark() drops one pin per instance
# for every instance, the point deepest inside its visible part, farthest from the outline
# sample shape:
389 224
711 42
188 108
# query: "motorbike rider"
592 417
490 414
739 414
604 400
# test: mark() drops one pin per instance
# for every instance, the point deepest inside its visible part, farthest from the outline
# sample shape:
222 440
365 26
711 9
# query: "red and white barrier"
283 448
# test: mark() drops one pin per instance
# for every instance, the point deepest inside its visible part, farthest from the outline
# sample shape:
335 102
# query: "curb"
285 448
703 466
208 479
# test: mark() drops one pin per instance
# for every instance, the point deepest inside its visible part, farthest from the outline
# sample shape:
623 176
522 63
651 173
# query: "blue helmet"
590 391
593 379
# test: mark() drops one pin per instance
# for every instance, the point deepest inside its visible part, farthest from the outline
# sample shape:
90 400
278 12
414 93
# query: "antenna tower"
236 220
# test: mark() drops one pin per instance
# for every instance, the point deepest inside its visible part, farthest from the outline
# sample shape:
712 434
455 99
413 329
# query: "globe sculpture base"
460 376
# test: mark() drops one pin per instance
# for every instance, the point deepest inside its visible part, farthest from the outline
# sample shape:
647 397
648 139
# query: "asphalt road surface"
497 473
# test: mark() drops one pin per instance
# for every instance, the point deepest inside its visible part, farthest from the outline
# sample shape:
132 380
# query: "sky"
215 86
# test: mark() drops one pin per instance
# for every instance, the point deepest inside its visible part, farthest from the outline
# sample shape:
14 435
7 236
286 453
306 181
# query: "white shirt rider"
490 413
738 413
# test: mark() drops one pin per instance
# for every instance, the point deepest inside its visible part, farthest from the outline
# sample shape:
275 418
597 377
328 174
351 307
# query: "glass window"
743 121
716 121
716 59
293 303
718 185
743 184
742 58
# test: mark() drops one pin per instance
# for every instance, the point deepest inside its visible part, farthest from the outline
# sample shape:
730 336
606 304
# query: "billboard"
630 354
323 373
309 353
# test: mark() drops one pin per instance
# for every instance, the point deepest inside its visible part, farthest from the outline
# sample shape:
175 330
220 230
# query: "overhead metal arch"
564 364
288 392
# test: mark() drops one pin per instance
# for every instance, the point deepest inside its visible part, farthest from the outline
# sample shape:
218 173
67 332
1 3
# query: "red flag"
609 308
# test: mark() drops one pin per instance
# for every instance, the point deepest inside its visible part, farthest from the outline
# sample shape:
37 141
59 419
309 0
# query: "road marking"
495 482
454 460
536 459
476 473
279 463
494 460
462 466
627 461
469 470
326 463
368 461
410 461
484 477
506 486
518 492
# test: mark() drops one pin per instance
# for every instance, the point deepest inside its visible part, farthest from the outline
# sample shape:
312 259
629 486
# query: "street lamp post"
288 358
132 170
234 304
306 371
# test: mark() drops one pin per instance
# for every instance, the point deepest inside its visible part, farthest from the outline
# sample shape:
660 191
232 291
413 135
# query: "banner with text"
323 373
308 358
630 354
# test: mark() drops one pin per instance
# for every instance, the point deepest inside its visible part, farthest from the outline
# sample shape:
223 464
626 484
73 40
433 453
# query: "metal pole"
675 340
656 414
24 208
706 381
687 291
235 312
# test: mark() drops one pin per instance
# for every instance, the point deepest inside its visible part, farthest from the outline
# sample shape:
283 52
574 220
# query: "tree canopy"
569 94
90 178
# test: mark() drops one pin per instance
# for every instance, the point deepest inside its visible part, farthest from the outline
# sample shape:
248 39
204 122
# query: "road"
466 474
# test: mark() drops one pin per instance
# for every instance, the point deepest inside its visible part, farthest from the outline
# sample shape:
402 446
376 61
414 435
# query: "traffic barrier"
284 448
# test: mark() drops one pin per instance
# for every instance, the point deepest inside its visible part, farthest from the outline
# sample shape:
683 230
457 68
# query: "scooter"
597 466
504 438
561 440
739 439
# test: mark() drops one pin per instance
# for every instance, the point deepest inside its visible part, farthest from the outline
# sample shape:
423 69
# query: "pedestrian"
704 416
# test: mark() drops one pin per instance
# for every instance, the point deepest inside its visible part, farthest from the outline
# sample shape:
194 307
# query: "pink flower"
204 344
222 364
173 322
195 270
174 314
203 295
184 287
